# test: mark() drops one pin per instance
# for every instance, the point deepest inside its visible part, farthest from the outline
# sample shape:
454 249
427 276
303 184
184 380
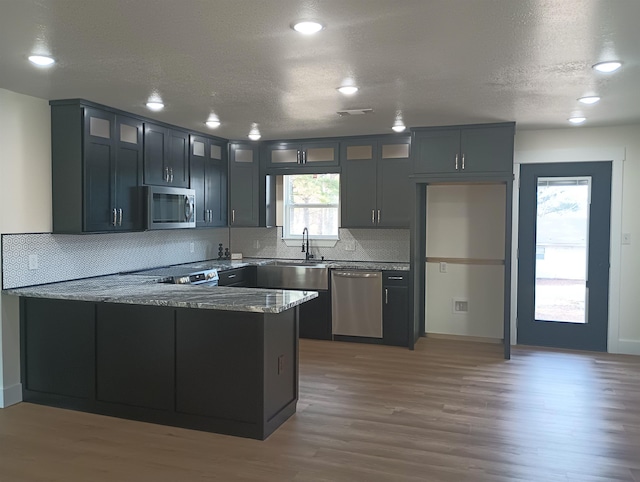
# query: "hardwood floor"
448 411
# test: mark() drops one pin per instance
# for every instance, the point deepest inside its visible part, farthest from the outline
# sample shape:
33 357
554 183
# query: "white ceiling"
439 62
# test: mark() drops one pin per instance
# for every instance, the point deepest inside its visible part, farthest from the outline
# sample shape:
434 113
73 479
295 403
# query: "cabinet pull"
166 174
233 216
231 276
210 215
456 162
386 296
378 216
120 213
463 162
298 157
373 216
171 174
304 157
396 277
115 217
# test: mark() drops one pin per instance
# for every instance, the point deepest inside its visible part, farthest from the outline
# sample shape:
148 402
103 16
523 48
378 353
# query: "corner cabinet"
166 156
244 183
208 177
464 150
300 157
96 160
375 187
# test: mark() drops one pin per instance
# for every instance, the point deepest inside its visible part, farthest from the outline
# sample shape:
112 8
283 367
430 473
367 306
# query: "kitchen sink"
294 274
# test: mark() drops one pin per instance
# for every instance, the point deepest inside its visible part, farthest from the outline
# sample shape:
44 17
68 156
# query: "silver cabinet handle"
396 277
166 174
120 213
456 162
298 157
386 296
233 216
210 215
463 162
304 157
378 216
231 276
115 217
171 174
373 216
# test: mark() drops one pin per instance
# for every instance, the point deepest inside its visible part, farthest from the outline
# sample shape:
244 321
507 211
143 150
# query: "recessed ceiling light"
590 99
155 105
399 127
41 60
213 123
577 120
348 89
254 133
307 27
608 67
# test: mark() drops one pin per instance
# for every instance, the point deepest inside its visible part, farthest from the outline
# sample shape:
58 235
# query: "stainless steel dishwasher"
356 303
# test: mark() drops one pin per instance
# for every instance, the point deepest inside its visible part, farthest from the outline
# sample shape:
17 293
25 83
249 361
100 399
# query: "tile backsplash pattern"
390 245
66 256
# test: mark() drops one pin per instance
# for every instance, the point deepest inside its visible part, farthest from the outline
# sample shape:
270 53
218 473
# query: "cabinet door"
436 151
243 185
198 150
178 159
99 170
358 180
394 196
487 149
156 145
395 315
315 317
320 154
128 170
283 155
216 186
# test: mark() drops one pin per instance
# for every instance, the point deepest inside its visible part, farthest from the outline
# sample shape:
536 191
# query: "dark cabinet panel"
375 183
166 156
301 157
128 174
395 308
208 177
464 150
244 199
135 355
315 317
58 344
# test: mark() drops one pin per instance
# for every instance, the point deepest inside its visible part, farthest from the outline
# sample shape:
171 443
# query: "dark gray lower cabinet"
220 371
315 317
395 308
135 355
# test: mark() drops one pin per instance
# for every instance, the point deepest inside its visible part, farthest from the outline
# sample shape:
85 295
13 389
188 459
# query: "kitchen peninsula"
218 359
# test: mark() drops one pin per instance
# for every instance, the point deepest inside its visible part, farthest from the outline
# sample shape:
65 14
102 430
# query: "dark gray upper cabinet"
96 169
208 168
166 156
301 157
244 175
464 150
375 188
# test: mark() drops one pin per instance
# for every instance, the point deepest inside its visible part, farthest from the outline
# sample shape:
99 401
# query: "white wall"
466 222
603 139
25 197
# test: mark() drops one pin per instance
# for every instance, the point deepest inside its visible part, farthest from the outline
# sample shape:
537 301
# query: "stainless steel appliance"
356 303
170 207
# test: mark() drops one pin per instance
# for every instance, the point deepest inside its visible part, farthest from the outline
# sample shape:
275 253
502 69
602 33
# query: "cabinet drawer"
230 277
395 278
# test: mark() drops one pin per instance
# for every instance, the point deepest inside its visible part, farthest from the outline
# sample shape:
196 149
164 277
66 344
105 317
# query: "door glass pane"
395 151
128 134
359 152
320 154
562 242
198 148
244 155
99 127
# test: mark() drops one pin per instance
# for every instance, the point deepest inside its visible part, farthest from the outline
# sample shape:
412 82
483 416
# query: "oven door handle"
188 208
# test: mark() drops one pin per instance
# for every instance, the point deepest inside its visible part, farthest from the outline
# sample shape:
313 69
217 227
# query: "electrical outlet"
460 306
33 261
626 238
350 246
256 244
192 247
443 267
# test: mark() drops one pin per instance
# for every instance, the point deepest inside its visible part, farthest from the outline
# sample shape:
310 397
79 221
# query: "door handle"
396 277
231 276
120 213
304 157
115 217
166 174
463 162
171 174
373 216
378 216
386 296
456 162
298 157
233 216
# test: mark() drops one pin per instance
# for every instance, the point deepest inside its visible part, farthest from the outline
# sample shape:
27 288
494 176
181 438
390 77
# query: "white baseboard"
628 347
11 395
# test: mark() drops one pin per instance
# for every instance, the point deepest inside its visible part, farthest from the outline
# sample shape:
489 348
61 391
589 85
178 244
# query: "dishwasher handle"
357 274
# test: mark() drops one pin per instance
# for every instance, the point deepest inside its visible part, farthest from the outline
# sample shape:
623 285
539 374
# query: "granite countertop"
145 290
223 265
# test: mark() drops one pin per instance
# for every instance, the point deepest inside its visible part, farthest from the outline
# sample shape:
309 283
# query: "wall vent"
460 306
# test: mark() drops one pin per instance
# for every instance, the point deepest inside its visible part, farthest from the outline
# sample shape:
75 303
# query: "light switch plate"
236 255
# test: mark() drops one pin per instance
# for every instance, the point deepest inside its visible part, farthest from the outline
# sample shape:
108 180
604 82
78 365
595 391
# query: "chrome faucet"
308 255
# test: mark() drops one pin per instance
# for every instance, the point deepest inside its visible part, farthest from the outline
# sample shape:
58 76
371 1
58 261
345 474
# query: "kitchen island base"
221 371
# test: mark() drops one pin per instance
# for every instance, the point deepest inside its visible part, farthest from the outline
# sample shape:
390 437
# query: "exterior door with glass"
563 255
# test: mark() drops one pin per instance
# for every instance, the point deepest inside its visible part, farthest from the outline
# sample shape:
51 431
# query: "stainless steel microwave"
169 207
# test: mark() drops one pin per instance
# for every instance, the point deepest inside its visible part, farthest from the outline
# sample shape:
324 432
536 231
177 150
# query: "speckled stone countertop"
222 265
145 290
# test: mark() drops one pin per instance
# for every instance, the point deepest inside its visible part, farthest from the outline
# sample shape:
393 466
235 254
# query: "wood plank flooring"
448 411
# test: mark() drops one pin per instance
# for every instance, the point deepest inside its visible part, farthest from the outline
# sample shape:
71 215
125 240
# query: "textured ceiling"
438 62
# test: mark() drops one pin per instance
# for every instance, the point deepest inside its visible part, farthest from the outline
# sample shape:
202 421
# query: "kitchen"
35 217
